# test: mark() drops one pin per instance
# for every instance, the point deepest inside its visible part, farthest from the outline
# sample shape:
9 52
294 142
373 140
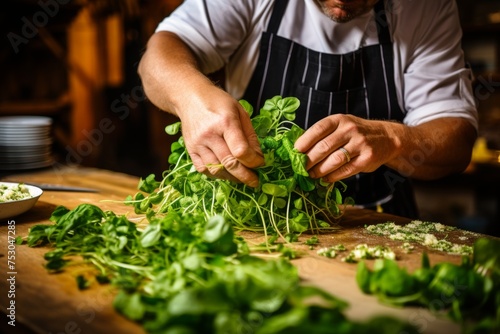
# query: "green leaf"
216 229
262 200
487 253
151 235
305 183
58 213
388 279
338 196
270 143
55 254
276 190
82 282
280 203
198 301
261 125
289 116
223 193
149 184
299 161
298 203
282 152
294 133
247 106
299 223
82 215
176 146
289 105
312 240
130 305
56 264
173 158
192 262
271 104
38 235
284 322
288 183
220 235
173 129
363 276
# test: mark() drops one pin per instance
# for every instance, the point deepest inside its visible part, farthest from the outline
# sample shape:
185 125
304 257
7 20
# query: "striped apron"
360 83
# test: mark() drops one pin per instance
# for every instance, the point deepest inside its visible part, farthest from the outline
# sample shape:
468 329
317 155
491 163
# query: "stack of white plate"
25 142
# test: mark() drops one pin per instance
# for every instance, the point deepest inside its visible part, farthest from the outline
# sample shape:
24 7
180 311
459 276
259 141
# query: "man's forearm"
167 67
433 149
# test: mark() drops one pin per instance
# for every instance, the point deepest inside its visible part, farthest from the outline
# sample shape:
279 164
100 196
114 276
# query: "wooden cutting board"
52 303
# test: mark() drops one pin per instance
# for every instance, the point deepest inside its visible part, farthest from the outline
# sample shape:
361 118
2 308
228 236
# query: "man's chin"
339 15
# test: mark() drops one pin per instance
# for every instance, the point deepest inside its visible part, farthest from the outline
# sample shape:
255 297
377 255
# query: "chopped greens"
468 293
331 251
422 233
407 247
363 251
360 252
16 192
186 274
287 200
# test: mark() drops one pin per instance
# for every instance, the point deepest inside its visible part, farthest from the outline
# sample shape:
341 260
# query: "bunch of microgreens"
287 201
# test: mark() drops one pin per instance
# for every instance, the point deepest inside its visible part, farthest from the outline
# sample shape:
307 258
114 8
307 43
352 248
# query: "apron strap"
384 35
276 16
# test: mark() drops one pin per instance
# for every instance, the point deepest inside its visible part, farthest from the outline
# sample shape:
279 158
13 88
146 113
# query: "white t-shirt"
430 76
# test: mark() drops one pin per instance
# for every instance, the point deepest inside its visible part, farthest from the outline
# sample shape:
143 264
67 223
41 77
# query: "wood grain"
52 303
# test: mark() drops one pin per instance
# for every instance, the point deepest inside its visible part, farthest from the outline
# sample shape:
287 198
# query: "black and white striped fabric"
360 83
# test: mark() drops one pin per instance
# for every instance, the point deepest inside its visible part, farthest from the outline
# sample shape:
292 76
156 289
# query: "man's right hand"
220 138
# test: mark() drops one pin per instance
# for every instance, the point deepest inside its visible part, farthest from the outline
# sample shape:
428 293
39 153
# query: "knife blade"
61 187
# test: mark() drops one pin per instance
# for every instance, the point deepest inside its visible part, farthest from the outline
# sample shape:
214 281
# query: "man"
383 88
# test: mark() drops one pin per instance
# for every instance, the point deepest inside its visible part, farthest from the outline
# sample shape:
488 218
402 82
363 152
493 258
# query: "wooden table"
52 303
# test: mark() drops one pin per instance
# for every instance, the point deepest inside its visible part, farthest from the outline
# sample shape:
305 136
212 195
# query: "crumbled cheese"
13 193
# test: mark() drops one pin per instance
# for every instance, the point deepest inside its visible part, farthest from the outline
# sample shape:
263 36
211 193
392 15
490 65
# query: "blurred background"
76 63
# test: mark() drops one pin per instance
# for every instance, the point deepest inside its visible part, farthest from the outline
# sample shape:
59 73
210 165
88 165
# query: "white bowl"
12 209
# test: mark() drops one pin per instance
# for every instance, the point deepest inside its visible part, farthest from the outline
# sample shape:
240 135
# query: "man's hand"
427 151
220 138
368 145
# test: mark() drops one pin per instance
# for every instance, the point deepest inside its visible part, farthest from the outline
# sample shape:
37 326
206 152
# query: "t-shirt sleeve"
213 29
436 81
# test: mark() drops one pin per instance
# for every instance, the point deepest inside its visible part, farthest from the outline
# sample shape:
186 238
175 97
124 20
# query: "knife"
60 187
